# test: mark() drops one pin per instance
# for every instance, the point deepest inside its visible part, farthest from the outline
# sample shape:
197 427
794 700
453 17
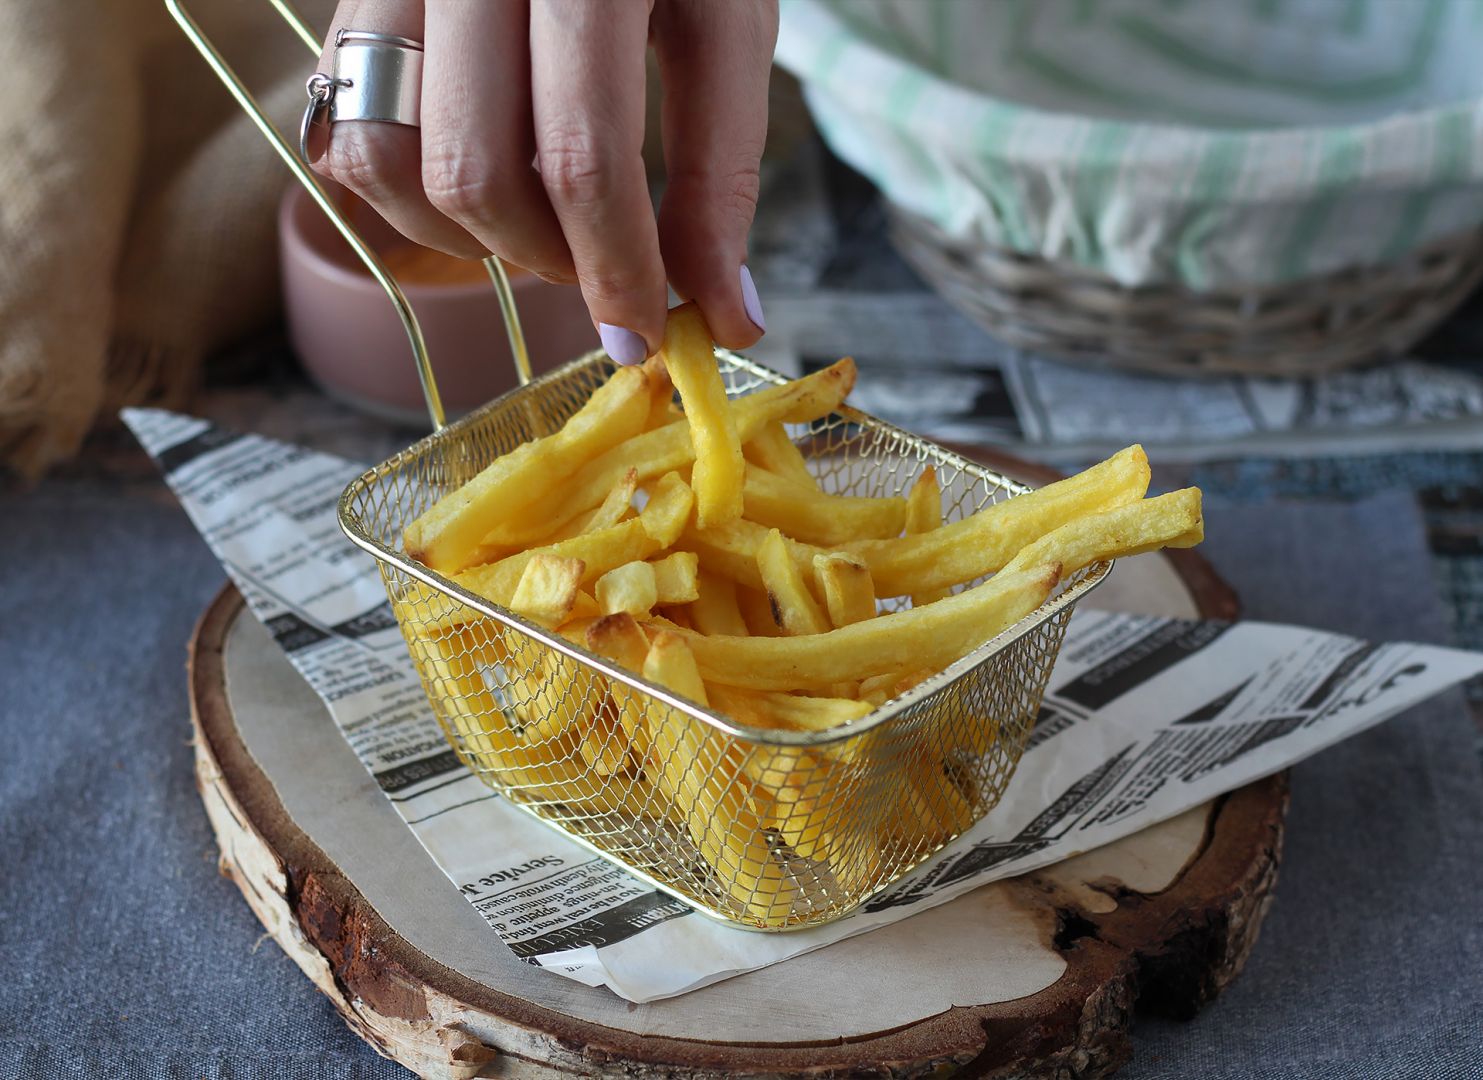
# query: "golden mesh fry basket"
761 828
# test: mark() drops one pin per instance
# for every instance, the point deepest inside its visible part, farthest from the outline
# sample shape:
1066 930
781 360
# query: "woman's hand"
531 139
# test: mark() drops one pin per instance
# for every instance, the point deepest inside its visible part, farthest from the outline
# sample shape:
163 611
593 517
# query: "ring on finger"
376 77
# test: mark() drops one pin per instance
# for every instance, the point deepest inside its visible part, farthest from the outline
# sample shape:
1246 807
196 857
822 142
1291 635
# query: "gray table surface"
126 955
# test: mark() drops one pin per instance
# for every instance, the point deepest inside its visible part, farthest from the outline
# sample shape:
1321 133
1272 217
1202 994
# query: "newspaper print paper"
1144 718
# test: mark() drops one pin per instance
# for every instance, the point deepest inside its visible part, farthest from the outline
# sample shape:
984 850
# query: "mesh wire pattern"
762 828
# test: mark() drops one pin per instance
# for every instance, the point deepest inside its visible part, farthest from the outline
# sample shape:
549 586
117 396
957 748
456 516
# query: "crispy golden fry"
667 512
614 508
690 358
584 607
704 773
1172 520
732 550
670 663
923 514
756 612
879 689
932 636
619 638
676 614
668 448
599 552
677 578
715 611
983 543
661 395
548 588
772 450
849 594
655 529
802 513
526 755
604 746
448 535
630 587
566 522
794 609
792 712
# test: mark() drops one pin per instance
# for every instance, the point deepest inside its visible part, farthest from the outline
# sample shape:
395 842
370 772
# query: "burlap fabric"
136 206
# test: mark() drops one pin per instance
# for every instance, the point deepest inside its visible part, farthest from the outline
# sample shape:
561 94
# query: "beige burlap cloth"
136 206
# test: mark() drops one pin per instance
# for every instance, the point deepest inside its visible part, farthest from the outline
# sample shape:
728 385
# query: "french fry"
584 607
690 358
756 612
548 589
932 636
849 594
598 552
715 611
1172 520
667 512
983 543
447 536
630 587
677 614
706 776
527 759
732 550
662 409
677 578
604 745
794 609
566 522
805 514
634 540
616 506
772 450
879 689
619 638
789 712
668 448
923 514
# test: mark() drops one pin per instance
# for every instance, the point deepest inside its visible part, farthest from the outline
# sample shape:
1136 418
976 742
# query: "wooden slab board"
1032 977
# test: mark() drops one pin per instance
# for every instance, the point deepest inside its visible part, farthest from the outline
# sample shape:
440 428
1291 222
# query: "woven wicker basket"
1310 327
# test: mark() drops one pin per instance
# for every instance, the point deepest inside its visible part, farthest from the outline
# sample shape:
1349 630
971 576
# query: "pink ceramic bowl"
350 340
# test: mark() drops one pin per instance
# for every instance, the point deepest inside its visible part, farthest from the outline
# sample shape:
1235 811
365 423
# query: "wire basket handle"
305 176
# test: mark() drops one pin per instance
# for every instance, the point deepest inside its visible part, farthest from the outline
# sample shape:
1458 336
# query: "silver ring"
375 77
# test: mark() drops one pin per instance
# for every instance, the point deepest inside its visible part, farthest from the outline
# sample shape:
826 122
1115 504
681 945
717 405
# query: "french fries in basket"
693 549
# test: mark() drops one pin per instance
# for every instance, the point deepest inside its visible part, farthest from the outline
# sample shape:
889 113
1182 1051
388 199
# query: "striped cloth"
1209 143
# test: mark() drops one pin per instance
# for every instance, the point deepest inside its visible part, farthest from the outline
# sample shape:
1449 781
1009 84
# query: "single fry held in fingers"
691 362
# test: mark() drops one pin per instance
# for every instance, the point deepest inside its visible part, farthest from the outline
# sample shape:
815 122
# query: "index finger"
587 86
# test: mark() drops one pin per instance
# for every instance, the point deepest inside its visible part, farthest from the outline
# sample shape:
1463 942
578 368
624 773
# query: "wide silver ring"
375 77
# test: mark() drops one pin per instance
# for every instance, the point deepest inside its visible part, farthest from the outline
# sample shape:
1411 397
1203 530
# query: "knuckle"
729 196
461 185
362 163
573 167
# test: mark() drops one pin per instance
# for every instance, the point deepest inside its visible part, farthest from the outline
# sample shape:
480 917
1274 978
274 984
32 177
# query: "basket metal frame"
288 151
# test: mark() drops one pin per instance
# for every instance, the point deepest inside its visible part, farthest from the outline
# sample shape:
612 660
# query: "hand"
560 83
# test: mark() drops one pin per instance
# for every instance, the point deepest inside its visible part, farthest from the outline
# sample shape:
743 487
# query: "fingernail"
622 344
751 301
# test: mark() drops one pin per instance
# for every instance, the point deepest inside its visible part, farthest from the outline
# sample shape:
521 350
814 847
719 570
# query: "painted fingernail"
751 301
622 344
